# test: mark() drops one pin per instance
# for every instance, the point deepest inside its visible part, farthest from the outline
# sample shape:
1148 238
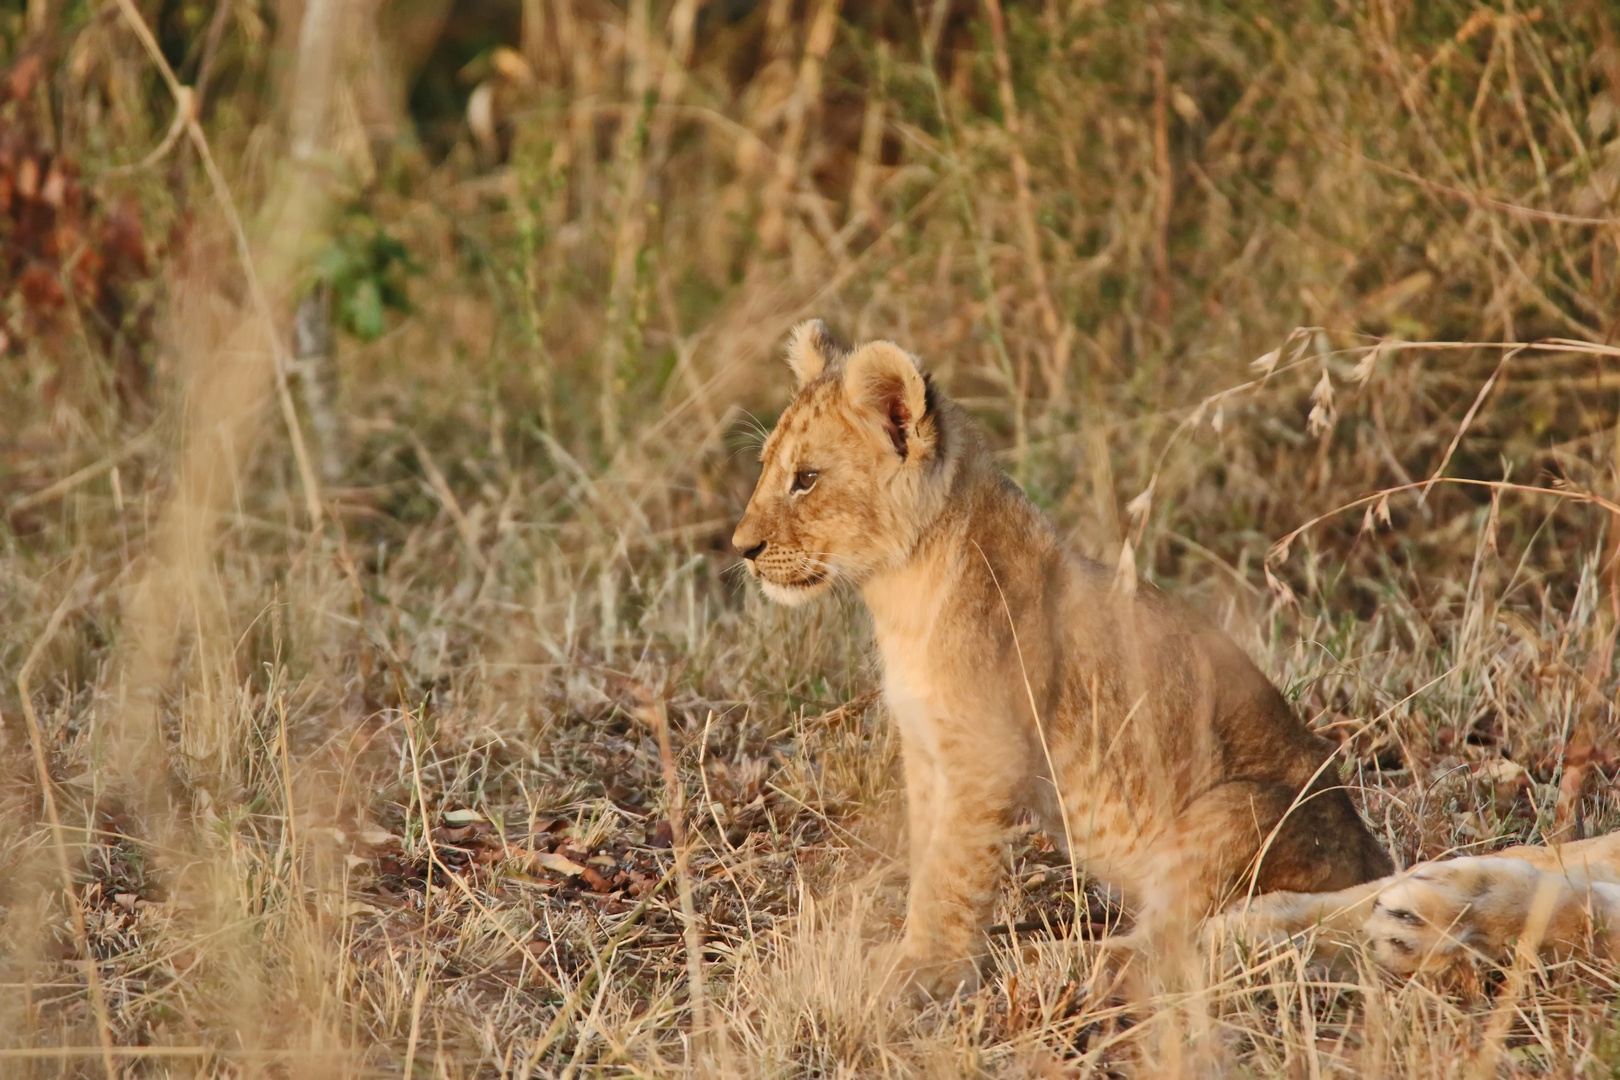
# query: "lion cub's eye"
803 481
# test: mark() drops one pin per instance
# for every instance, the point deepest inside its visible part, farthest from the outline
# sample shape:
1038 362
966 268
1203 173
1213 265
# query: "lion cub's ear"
812 350
882 379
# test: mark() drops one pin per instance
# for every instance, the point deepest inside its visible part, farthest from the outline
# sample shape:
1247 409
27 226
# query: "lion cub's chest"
953 714
918 654
917 701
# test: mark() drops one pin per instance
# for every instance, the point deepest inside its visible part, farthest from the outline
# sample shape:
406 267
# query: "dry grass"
374 786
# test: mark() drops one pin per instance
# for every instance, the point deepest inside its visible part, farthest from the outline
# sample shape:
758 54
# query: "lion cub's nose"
754 552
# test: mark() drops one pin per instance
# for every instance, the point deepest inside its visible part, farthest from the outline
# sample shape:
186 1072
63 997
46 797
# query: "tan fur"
1019 676
1558 900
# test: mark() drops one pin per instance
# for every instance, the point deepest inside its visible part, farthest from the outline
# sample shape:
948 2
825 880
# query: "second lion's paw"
1441 912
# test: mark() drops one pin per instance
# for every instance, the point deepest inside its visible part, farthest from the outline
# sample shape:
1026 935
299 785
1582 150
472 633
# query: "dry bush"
360 777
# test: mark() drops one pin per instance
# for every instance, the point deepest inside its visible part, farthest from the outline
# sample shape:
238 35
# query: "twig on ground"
658 713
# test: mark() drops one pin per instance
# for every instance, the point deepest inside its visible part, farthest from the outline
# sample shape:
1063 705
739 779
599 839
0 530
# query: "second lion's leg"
1595 859
1335 919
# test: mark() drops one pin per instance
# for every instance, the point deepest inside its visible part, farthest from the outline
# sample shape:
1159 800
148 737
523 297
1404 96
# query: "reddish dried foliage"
65 256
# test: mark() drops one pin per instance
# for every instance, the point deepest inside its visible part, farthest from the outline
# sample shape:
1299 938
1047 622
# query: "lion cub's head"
851 473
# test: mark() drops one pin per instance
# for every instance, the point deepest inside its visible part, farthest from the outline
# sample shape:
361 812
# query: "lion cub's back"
1152 657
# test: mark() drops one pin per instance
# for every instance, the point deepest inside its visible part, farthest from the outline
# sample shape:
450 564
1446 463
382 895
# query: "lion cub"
1020 676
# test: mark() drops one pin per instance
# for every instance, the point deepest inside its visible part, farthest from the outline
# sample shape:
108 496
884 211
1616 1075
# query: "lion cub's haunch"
1019 676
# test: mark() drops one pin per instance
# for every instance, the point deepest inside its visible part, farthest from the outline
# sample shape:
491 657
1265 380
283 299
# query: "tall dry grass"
354 778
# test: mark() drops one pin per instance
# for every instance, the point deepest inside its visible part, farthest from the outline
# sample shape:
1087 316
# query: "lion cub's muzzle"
777 565
787 575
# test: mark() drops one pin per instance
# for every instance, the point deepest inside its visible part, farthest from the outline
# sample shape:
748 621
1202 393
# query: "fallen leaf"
26 72
1501 771
558 864
463 817
510 63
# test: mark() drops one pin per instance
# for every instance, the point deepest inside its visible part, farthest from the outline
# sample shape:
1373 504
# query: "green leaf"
366 311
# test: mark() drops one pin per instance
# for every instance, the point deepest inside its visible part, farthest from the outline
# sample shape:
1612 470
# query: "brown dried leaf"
558 864
25 74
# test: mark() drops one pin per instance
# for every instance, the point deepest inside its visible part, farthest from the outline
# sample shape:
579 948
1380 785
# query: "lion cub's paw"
1444 911
922 979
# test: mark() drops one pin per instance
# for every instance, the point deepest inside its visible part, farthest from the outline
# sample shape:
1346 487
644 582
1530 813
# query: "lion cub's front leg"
959 810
